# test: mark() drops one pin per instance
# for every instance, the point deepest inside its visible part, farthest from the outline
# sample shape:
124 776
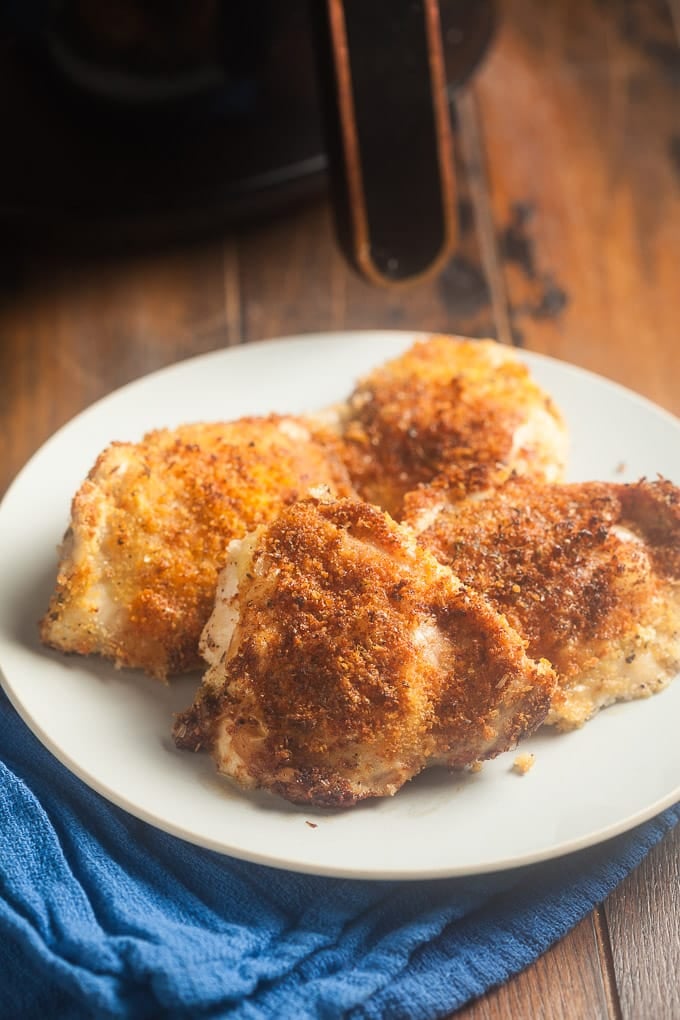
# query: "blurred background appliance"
141 120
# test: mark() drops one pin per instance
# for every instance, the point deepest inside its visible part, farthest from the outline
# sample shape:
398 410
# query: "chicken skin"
464 413
149 526
588 573
343 660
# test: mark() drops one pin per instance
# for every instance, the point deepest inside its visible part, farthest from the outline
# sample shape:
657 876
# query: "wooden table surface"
568 151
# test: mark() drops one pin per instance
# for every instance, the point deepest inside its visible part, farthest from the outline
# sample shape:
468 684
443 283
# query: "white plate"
113 728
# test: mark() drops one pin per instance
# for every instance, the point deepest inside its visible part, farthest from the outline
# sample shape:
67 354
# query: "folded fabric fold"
102 915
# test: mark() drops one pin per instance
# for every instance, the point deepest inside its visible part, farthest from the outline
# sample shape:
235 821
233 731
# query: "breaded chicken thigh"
150 525
343 660
588 573
464 413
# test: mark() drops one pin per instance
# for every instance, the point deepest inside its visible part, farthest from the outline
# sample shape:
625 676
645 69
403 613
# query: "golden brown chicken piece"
464 413
149 528
343 660
588 573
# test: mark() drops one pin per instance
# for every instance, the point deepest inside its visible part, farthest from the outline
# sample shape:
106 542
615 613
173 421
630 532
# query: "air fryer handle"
389 134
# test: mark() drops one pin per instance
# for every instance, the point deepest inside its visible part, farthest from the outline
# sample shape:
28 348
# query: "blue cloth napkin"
104 916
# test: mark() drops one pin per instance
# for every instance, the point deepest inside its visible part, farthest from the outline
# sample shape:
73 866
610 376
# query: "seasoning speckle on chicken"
588 573
463 413
149 527
343 660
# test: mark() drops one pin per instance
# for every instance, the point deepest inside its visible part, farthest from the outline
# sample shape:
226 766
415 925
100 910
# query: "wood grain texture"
643 916
73 329
563 984
608 968
579 107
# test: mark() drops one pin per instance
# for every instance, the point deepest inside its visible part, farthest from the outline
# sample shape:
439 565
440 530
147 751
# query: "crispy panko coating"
588 573
343 660
463 413
149 527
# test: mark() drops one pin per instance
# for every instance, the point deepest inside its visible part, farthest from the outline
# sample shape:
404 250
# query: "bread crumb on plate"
523 762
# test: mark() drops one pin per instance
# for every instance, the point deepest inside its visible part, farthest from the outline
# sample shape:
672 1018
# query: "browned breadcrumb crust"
149 528
554 560
446 411
150 524
358 660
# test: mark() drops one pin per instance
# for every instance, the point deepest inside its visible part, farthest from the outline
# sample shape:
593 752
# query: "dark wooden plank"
643 916
608 968
564 983
579 106
288 282
72 329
